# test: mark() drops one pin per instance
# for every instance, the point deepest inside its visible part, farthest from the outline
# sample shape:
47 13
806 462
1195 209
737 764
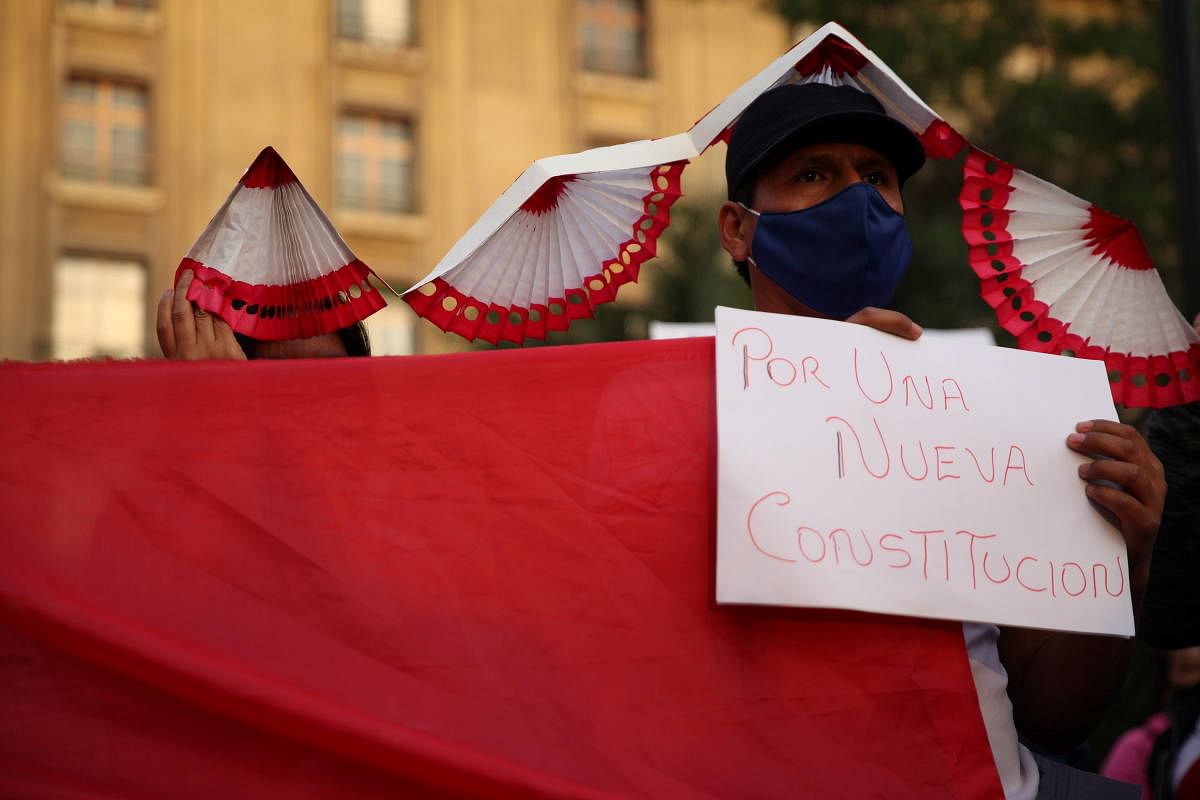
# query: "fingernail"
166 293
1075 438
917 329
1083 470
1092 488
1084 426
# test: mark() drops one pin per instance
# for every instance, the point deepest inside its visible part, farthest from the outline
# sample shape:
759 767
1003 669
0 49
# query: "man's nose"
847 176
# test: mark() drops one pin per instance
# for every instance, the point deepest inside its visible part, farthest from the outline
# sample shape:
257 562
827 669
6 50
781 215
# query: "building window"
612 36
99 308
104 131
135 5
375 156
392 330
380 23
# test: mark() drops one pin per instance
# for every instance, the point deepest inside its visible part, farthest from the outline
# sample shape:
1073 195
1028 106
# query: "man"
189 333
815 223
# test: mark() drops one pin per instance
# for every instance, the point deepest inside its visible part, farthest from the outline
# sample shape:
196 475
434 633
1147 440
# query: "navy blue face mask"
837 257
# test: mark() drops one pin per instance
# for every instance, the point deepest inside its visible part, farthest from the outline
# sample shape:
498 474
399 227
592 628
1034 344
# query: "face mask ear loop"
749 258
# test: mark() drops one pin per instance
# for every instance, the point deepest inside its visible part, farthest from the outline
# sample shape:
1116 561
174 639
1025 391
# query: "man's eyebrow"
878 162
818 158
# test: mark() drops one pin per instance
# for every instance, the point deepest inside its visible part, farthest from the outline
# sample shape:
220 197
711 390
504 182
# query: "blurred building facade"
124 123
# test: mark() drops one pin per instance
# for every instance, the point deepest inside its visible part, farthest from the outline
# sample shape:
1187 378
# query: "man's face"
327 345
800 180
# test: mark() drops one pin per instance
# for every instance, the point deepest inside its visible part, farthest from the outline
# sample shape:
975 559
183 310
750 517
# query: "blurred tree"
694 275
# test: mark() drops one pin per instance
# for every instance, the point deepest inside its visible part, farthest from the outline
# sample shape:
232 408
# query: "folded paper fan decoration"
271 264
573 228
568 247
1068 277
834 57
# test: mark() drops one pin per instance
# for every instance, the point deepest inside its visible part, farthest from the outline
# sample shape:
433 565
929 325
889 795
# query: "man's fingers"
163 325
1119 502
1138 523
205 337
189 332
226 343
1136 448
1108 445
1108 426
1129 476
182 318
1126 479
1123 461
881 319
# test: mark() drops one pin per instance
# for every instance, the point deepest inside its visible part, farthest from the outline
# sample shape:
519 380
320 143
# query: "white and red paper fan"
835 57
573 228
271 264
1067 277
568 247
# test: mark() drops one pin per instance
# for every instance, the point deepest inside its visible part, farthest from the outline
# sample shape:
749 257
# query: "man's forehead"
858 154
327 345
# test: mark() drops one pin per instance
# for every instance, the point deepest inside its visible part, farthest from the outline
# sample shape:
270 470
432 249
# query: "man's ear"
737 229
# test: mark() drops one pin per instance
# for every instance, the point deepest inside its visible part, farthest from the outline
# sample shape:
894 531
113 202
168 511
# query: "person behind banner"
815 224
189 333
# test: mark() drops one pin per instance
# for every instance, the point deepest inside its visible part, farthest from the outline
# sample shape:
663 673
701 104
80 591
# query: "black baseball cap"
792 116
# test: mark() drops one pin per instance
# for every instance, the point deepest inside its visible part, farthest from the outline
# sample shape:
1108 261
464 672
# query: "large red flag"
473 575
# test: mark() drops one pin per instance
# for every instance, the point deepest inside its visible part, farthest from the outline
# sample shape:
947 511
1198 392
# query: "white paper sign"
981 337
679 330
931 478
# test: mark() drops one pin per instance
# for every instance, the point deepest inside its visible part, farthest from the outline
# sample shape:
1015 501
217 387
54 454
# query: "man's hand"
1127 480
887 321
188 332
1061 683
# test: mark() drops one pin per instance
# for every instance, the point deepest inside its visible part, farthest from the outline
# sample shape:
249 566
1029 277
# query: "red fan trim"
546 197
1155 381
1118 239
835 53
942 141
268 171
723 136
939 139
294 311
472 318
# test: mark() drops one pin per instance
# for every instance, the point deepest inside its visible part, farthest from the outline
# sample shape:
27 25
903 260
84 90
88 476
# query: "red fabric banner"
486 574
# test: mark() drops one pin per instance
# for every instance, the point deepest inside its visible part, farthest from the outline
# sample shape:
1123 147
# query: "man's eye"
876 178
808 176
